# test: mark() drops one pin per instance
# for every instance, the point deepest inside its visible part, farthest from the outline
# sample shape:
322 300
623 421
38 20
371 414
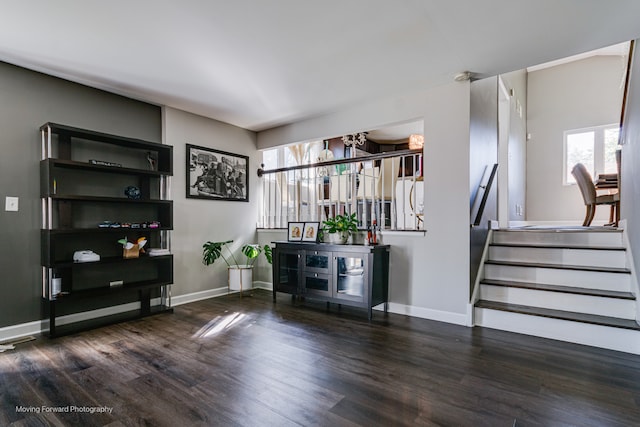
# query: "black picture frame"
216 175
310 232
294 231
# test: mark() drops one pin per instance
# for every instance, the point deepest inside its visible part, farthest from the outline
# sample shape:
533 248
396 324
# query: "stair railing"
486 189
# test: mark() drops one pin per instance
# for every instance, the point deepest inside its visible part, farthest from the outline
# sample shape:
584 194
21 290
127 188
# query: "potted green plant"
239 274
336 230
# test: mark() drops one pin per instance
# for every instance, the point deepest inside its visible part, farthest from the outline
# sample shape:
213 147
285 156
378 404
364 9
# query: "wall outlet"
11 204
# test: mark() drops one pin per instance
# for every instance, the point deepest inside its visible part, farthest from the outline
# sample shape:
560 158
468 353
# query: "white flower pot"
339 238
240 277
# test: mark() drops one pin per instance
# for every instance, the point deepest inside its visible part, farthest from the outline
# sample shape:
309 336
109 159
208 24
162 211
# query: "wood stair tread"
560 288
565 246
560 266
573 229
560 314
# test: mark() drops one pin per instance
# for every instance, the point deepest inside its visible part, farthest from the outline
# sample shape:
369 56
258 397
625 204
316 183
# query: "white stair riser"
601 306
553 238
561 256
618 339
552 276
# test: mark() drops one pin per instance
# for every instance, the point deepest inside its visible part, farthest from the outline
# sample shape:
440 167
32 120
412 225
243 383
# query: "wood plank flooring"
247 362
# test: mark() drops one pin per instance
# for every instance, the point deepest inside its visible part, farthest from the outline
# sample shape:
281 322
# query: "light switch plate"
11 204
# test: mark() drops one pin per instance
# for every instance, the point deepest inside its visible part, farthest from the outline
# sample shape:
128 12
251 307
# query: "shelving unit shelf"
84 180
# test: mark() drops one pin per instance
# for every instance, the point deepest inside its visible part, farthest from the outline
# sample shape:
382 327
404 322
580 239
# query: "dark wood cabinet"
353 275
95 189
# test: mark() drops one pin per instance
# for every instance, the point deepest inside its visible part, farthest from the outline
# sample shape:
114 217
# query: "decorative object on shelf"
132 192
103 163
56 285
216 175
337 230
85 256
295 230
239 274
310 232
158 252
152 159
132 250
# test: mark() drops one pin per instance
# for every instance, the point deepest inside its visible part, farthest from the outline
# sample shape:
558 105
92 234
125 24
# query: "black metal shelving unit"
83 174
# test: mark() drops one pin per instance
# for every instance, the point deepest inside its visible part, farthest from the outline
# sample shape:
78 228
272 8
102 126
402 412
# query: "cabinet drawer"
317 284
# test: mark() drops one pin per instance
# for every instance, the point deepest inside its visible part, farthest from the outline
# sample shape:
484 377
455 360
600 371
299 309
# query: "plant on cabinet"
336 230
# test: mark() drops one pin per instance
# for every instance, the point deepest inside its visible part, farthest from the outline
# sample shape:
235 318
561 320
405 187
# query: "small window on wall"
594 147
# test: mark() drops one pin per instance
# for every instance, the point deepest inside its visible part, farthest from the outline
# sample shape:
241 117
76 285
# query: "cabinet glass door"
350 275
288 270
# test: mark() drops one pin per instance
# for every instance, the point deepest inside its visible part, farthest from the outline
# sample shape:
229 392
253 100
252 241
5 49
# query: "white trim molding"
427 313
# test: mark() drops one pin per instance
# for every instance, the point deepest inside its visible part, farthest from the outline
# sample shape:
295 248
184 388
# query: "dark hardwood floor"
247 362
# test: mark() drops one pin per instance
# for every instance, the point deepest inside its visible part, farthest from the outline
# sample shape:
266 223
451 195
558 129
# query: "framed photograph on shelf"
294 233
216 175
310 231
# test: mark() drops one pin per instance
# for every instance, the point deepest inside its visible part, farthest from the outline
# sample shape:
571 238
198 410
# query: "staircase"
567 284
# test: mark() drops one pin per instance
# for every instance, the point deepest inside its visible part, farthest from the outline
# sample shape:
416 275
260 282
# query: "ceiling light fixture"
416 142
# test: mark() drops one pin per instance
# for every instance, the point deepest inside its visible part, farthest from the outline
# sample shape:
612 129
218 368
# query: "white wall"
195 220
570 96
429 275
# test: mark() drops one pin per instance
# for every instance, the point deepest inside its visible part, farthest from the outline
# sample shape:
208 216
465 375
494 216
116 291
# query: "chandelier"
354 139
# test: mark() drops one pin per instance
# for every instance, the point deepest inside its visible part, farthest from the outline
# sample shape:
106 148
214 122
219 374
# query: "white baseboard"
263 285
199 296
20 330
427 313
40 326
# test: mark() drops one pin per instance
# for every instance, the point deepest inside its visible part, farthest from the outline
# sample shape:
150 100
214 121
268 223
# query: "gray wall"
517 80
429 274
28 100
569 96
197 221
483 153
630 187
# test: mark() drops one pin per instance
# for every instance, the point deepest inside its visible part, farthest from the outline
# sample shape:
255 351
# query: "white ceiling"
262 63
620 49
